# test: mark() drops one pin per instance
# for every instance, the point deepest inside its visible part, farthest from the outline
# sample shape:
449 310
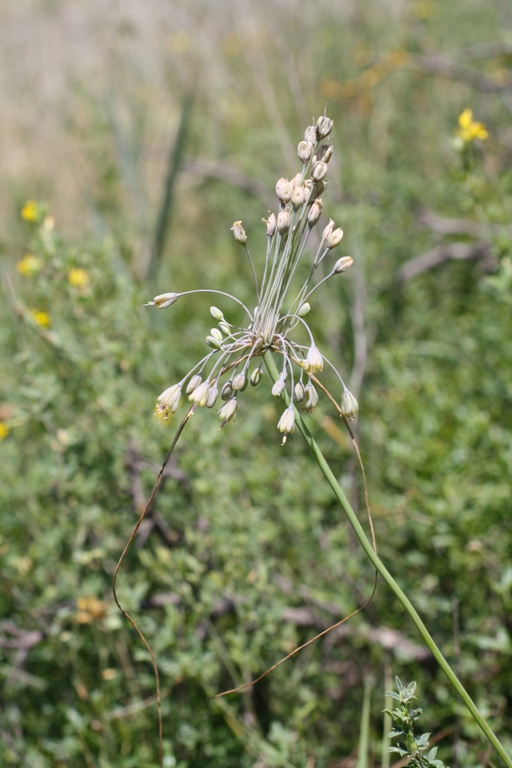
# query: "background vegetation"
141 131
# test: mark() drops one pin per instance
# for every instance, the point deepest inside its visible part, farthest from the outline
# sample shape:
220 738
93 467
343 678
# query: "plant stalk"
386 575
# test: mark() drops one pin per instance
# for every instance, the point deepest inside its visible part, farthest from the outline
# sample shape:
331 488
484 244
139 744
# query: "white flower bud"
310 398
343 264
164 300
283 191
216 334
298 197
239 233
313 362
299 392
304 309
325 153
286 423
193 383
216 313
240 382
323 127
310 134
224 328
349 405
278 388
283 222
328 229
256 376
315 212
334 238
213 342
319 171
271 225
305 150
212 397
227 390
200 394
228 411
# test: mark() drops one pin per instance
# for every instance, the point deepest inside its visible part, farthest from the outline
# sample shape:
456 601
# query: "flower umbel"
280 307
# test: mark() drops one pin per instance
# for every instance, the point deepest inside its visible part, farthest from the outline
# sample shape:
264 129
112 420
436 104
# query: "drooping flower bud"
227 390
278 388
228 411
313 362
299 392
163 301
310 398
240 382
213 342
349 405
310 134
193 383
216 334
239 233
256 376
283 222
212 397
200 394
323 127
216 313
286 423
224 328
304 309
334 238
319 171
325 153
343 264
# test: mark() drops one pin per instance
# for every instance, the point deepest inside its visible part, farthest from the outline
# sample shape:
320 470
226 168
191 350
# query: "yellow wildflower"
90 609
78 278
4 430
29 265
470 129
40 317
30 211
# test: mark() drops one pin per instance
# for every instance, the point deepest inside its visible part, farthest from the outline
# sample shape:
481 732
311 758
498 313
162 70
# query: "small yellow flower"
40 317
30 211
90 609
78 278
470 129
29 265
4 430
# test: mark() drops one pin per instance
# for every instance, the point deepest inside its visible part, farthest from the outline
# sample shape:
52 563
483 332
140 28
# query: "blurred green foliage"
245 554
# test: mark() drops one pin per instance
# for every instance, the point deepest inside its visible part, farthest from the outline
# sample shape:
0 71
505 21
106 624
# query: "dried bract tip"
334 238
228 411
163 301
342 265
239 233
305 150
283 222
193 383
286 423
319 171
323 127
349 405
240 382
271 224
200 394
315 212
256 376
304 309
216 313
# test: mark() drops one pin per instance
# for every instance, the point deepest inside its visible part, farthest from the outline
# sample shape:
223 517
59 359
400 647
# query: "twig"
437 256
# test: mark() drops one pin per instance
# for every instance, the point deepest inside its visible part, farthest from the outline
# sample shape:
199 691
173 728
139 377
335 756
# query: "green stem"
388 578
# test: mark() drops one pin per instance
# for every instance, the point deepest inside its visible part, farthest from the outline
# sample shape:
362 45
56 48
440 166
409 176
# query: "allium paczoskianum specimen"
280 308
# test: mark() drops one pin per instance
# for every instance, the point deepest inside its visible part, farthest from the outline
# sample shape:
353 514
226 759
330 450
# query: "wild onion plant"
237 353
